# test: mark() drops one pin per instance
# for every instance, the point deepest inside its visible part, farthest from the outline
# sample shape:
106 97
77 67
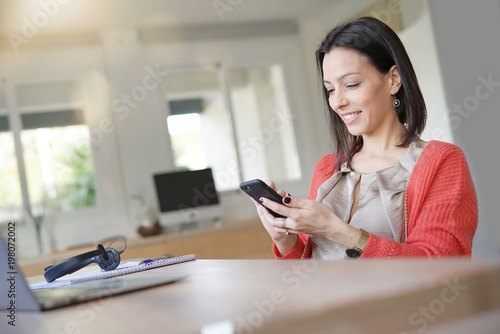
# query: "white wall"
313 28
418 38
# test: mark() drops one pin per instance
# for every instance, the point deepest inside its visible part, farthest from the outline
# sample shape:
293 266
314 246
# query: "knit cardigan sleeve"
441 208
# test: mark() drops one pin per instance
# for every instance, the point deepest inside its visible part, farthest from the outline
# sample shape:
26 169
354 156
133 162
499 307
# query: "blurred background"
98 96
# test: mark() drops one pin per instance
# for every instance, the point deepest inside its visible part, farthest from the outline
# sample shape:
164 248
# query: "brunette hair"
383 48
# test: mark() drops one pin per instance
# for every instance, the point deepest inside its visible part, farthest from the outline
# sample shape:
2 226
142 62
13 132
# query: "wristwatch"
360 246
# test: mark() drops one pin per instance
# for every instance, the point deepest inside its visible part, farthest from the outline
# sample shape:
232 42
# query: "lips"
350 117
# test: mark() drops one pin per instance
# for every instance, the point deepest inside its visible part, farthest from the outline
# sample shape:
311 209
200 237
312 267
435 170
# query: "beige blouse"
381 201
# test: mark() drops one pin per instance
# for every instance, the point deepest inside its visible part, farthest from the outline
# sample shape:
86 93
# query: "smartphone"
257 189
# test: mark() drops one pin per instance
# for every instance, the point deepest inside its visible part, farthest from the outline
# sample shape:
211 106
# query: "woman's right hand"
283 241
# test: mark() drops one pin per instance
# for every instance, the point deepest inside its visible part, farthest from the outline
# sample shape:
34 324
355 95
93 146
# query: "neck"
384 141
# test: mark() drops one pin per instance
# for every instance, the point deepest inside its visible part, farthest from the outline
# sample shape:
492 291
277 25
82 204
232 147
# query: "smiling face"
359 93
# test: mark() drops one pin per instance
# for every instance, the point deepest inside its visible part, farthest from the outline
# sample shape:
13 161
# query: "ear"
394 80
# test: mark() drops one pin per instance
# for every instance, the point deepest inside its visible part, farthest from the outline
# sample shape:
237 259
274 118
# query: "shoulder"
439 157
326 161
322 172
441 180
325 165
440 148
436 152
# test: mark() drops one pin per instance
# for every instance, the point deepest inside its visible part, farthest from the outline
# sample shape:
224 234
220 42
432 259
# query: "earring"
396 103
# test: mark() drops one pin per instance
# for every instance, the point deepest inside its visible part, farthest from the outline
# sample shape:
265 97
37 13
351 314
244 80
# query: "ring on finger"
283 223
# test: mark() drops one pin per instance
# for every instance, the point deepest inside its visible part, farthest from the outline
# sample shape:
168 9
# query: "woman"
385 193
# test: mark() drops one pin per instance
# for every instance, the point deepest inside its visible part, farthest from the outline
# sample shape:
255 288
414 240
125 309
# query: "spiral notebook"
124 269
90 287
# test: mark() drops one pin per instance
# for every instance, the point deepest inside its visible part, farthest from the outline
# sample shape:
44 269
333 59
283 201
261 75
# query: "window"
10 191
58 161
187 143
235 121
200 126
264 124
52 162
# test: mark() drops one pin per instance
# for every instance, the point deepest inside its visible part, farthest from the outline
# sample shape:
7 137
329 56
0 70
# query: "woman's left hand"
310 217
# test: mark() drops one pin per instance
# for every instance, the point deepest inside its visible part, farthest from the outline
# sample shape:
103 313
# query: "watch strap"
360 246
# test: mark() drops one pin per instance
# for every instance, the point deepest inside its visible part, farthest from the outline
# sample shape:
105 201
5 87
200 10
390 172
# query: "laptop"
17 296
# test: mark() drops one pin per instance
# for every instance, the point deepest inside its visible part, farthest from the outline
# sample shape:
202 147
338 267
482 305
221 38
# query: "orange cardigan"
441 208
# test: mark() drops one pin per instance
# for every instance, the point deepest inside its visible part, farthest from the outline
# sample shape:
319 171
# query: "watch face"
353 253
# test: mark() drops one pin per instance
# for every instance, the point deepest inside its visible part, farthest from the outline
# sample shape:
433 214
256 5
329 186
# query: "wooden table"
269 296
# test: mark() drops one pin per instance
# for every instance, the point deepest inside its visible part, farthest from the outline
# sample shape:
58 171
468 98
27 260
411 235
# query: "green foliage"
76 186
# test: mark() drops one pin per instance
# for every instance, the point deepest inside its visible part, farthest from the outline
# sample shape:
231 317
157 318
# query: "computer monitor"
187 198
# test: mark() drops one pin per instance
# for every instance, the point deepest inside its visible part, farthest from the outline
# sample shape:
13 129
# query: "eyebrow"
342 76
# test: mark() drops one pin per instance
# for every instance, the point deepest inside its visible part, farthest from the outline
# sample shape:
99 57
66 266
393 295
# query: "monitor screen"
182 190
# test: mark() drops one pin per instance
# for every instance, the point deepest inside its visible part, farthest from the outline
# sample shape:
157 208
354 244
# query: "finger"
283 225
258 207
267 214
274 206
272 185
284 231
279 224
257 204
263 212
294 202
282 193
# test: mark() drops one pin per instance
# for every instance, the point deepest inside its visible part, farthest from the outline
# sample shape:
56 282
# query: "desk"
269 296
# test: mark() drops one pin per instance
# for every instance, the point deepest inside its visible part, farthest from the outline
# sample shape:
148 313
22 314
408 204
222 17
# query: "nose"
338 100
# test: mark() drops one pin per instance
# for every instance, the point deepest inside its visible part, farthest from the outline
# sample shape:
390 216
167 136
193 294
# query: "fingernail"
261 200
287 200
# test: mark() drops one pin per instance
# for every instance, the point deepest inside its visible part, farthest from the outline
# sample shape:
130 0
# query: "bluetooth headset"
107 258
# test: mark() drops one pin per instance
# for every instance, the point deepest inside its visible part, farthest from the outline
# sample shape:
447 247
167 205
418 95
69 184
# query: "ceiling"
77 16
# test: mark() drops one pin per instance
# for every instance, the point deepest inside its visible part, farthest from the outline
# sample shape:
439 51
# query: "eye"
330 91
353 85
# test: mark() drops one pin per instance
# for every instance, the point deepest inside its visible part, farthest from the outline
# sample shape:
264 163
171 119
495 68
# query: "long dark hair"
383 48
